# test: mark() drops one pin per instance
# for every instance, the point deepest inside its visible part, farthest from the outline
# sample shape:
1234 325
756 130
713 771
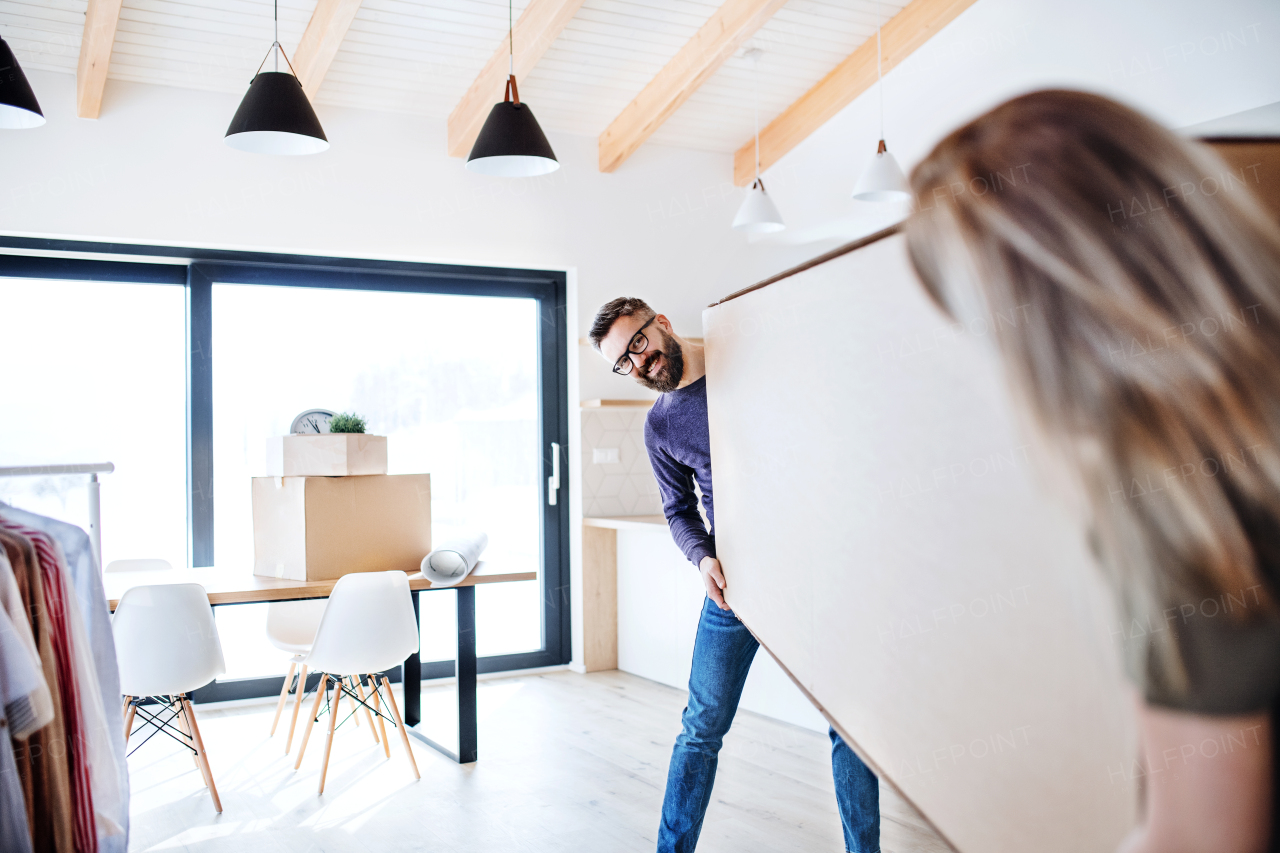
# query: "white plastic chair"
138 566
368 627
167 646
291 627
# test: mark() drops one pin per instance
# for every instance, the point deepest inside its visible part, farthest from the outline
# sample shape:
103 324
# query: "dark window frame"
197 269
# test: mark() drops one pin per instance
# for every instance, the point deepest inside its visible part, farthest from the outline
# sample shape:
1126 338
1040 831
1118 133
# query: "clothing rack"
93 469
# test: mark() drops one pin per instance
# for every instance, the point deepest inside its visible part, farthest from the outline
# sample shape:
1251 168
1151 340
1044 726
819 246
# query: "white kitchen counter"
628 522
643 602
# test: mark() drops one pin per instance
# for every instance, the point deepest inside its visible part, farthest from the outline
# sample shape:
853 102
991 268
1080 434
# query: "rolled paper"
454 560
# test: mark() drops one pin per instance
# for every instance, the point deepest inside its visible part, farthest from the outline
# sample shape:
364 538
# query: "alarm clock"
312 422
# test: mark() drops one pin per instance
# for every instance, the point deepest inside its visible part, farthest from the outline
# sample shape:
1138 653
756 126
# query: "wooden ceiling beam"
100 20
718 39
901 35
538 26
320 42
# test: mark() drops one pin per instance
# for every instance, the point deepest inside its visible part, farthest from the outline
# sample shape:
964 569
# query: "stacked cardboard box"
331 509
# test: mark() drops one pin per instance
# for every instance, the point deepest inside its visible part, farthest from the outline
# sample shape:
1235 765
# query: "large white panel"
884 534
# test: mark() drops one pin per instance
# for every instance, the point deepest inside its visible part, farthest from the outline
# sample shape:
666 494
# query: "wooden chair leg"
203 757
181 721
368 717
333 724
176 704
284 693
376 696
297 703
404 734
355 711
129 710
321 692
343 698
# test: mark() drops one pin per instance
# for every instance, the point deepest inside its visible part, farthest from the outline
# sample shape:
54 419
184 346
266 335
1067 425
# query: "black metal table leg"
466 664
412 674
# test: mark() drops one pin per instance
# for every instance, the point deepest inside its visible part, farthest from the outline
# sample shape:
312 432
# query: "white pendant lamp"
882 180
758 214
511 144
275 116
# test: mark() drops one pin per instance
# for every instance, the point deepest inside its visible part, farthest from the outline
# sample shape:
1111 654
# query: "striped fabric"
22 717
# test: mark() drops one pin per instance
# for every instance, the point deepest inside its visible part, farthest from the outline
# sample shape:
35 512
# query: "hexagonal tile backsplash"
624 487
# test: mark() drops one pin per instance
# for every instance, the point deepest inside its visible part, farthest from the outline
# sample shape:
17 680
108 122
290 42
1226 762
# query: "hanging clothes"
43 762
99 675
35 710
59 607
19 679
86 578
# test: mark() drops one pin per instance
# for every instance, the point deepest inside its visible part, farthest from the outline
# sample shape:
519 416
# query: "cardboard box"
321 528
327 455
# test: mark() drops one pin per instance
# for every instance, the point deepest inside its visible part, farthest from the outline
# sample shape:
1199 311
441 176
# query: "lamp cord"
512 93
755 69
276 50
880 72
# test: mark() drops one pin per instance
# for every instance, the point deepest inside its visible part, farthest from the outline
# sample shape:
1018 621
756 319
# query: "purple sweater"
675 434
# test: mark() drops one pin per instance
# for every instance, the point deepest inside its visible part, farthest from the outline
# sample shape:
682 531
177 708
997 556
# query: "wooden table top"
241 586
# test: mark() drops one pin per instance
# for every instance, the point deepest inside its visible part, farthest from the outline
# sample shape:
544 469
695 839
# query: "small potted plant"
346 422
332 445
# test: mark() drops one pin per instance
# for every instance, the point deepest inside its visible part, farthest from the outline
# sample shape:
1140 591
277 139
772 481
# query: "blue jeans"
722 655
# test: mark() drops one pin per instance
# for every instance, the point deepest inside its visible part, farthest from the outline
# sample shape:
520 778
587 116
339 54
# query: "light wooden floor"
567 763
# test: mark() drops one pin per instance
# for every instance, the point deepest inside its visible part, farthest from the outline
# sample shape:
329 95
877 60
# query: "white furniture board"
885 536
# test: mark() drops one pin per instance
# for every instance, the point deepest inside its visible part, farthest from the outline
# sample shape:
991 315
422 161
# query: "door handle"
553 482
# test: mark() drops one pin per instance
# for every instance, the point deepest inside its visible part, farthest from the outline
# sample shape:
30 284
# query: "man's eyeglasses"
639 343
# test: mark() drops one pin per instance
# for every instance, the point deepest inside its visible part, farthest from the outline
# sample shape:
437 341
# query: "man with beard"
641 343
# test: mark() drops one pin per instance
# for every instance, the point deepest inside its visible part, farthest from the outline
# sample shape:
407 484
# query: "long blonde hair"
1146 281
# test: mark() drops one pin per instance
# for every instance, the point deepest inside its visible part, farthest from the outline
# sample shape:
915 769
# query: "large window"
178 364
95 374
450 380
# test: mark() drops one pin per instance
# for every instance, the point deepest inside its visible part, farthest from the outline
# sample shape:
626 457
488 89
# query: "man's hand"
713 578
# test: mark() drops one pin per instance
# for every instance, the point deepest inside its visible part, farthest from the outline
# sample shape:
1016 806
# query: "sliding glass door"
452 381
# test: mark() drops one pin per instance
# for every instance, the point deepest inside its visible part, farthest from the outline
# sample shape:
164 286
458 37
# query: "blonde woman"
1149 277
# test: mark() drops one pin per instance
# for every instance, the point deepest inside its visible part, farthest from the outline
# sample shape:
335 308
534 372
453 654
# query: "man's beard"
668 378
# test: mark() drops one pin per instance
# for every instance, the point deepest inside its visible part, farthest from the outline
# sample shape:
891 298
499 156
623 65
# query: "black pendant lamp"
18 106
275 116
511 144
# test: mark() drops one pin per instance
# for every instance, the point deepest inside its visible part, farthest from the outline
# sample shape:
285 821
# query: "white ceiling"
419 56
